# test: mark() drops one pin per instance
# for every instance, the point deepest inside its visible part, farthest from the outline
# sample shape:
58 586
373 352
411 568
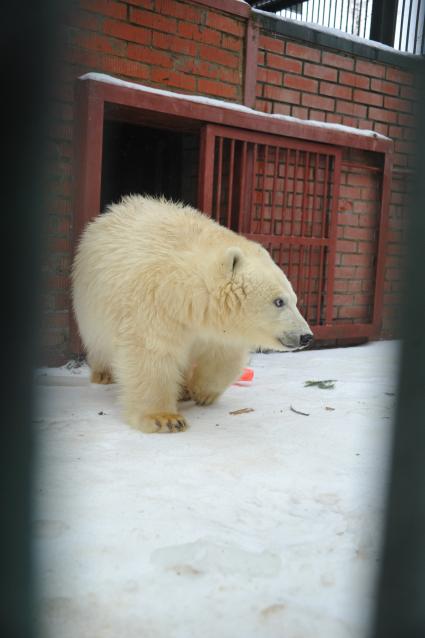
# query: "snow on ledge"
109 79
338 34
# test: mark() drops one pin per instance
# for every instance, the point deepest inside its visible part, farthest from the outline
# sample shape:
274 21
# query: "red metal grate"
282 193
285 194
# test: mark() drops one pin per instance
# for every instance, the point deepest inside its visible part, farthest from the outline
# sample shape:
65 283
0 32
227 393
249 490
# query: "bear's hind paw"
160 422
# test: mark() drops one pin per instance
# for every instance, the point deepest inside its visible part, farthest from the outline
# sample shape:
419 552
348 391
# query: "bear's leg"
150 384
217 367
100 372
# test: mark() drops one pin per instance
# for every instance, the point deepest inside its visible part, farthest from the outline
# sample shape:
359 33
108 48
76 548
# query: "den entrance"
149 161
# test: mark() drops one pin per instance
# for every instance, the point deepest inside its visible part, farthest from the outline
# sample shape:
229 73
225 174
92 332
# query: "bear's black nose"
305 340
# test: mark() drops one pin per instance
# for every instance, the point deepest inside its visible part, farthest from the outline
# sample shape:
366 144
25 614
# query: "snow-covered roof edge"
339 34
109 79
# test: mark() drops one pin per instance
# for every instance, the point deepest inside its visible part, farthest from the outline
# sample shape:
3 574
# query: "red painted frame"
94 96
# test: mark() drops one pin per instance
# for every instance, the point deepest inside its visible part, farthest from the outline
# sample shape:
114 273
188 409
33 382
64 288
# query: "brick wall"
194 46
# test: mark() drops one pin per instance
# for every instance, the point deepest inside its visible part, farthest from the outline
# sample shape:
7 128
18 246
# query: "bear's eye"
279 302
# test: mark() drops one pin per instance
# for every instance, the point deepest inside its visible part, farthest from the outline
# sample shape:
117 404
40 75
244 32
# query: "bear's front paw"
160 422
204 397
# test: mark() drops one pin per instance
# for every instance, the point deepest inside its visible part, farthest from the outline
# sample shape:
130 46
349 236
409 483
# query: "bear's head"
257 302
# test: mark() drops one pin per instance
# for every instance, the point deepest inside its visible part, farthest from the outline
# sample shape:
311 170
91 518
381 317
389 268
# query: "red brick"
232 43
340 300
382 116
171 78
283 63
127 32
269 76
336 90
358 233
381 86
371 69
340 61
208 70
321 72
271 44
345 272
281 109
350 108
305 53
217 88
153 20
404 147
281 95
397 104
346 246
334 118
213 54
183 11
381 128
222 23
149 56
300 111
408 92
194 32
399 76
300 83
317 116
121 66
406 120
352 79
174 43
366 97
352 312
105 7
318 102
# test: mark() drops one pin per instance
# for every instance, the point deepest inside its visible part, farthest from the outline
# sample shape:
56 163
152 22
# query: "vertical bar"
422 49
382 242
307 298
417 25
252 212
323 234
348 11
230 189
315 177
206 170
219 178
409 21
266 148
242 194
332 235
88 148
303 212
275 171
294 188
328 21
401 24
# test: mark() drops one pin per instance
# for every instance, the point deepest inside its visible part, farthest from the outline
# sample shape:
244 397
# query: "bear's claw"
162 422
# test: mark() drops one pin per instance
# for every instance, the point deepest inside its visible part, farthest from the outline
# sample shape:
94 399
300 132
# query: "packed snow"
259 524
109 79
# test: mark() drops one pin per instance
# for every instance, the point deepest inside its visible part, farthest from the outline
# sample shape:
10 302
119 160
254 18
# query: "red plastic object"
246 377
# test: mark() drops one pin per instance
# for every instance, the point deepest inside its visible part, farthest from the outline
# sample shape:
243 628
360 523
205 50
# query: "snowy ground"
254 525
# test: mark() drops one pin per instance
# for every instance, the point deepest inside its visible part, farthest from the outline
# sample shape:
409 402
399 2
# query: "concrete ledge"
316 36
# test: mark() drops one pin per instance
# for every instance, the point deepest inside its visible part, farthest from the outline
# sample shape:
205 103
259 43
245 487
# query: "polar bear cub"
169 303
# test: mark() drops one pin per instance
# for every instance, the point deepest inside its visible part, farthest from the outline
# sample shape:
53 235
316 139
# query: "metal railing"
355 17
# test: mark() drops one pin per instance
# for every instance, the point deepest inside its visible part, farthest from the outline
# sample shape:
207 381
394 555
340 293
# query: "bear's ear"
233 259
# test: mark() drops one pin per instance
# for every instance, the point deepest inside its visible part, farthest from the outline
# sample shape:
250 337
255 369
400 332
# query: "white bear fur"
169 303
